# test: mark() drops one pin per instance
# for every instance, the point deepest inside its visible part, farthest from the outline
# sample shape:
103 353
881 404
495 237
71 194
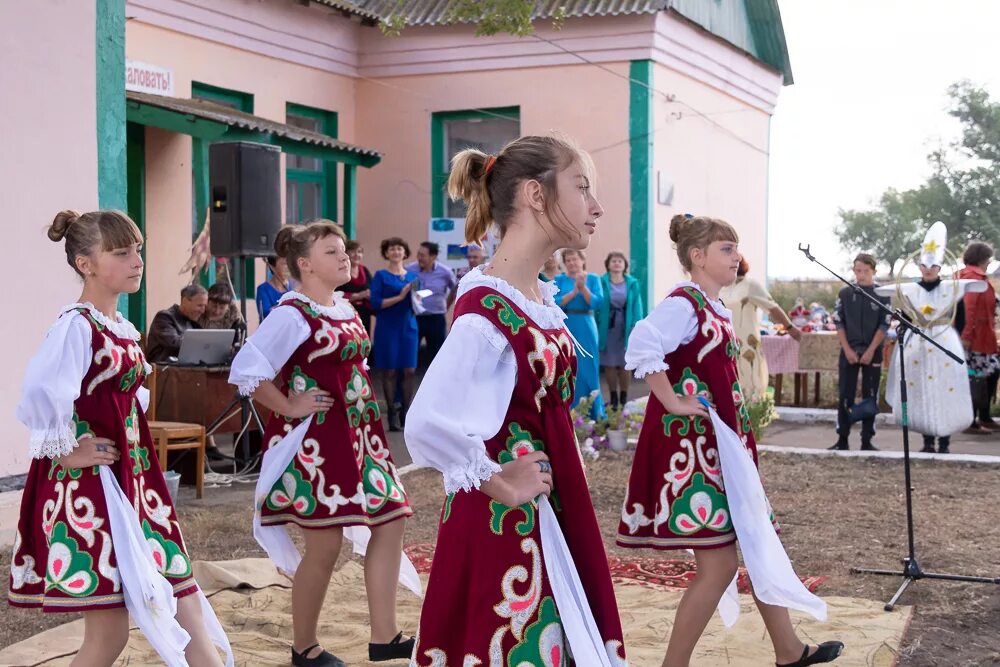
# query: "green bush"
762 412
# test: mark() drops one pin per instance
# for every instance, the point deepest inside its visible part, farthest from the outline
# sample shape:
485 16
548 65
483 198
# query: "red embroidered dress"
676 497
489 600
342 474
64 557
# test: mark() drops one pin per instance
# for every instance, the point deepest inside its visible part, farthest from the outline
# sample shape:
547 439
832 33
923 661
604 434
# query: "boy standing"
861 328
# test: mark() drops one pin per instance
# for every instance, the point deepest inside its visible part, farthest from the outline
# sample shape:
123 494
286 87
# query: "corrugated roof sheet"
350 8
229 116
751 25
438 12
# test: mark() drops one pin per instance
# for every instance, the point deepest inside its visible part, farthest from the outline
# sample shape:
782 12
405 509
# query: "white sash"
149 597
275 540
771 573
585 641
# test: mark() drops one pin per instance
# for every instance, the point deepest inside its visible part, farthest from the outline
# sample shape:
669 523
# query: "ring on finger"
544 466
101 447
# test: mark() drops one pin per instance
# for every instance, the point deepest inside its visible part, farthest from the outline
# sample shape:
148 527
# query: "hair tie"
490 161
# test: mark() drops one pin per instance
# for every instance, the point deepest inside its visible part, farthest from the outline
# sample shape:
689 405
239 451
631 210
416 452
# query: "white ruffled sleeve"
671 324
461 403
266 351
51 386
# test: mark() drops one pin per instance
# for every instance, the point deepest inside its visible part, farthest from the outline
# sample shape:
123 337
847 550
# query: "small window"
488 130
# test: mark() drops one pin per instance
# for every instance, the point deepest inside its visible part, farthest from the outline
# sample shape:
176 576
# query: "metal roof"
753 26
438 12
244 121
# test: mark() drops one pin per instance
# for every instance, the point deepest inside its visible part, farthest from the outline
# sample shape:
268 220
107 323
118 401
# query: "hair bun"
60 224
283 241
676 223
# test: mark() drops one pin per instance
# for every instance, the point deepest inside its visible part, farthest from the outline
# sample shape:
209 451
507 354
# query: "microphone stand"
912 571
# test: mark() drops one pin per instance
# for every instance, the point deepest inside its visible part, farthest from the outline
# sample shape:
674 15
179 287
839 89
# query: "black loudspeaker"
245 189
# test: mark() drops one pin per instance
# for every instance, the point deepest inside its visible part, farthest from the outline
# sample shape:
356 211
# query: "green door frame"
199 163
109 41
327 176
640 131
136 179
439 161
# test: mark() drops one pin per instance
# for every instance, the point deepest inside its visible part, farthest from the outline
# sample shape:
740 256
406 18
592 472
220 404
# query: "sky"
868 104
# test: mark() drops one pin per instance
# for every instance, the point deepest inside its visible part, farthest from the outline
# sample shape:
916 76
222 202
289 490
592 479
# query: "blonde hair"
86 232
488 183
294 242
689 232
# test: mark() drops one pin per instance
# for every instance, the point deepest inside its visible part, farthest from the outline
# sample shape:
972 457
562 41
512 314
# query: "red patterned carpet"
652 572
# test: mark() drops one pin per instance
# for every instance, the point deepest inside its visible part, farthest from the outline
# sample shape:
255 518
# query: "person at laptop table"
168 327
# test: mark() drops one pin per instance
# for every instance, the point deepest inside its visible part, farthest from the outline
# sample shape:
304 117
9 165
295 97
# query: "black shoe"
323 659
840 444
944 446
868 447
825 652
928 445
613 403
397 649
622 398
394 424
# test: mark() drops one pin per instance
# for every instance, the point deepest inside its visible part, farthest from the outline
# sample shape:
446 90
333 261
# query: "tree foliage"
963 190
490 17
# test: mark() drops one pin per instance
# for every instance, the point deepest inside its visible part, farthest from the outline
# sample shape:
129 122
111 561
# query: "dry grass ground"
835 513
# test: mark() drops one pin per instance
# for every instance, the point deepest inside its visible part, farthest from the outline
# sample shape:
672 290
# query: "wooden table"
199 395
810 356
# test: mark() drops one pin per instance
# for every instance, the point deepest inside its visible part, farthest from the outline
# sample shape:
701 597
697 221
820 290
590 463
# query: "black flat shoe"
839 445
323 659
868 447
825 652
397 649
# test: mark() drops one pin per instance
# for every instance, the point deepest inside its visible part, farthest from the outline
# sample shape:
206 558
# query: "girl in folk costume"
694 482
327 467
937 387
97 532
520 575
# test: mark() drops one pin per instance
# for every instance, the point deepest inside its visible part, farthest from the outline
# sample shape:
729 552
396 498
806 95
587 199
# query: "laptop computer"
208 347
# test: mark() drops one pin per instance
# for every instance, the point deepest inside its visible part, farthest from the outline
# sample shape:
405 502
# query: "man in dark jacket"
168 327
861 328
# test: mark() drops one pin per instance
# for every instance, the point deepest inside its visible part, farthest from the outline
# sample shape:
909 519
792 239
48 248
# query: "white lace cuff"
53 442
471 476
247 386
644 368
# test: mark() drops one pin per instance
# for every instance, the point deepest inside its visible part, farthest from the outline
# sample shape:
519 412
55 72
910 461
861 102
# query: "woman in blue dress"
396 339
580 294
276 285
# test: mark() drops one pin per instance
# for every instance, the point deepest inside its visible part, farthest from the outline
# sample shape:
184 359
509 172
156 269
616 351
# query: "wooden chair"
174 436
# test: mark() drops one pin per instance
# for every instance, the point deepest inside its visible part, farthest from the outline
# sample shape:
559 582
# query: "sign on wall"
145 78
449 234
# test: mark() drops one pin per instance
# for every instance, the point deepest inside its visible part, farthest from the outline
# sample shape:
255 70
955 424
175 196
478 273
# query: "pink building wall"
48 130
384 91
395 196
714 172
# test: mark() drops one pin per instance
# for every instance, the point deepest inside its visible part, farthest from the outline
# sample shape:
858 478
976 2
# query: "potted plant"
617 437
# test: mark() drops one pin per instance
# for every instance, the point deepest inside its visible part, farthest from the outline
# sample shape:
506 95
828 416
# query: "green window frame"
325 176
199 147
440 160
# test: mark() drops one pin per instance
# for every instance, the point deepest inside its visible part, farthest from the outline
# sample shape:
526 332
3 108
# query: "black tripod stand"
247 409
911 567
